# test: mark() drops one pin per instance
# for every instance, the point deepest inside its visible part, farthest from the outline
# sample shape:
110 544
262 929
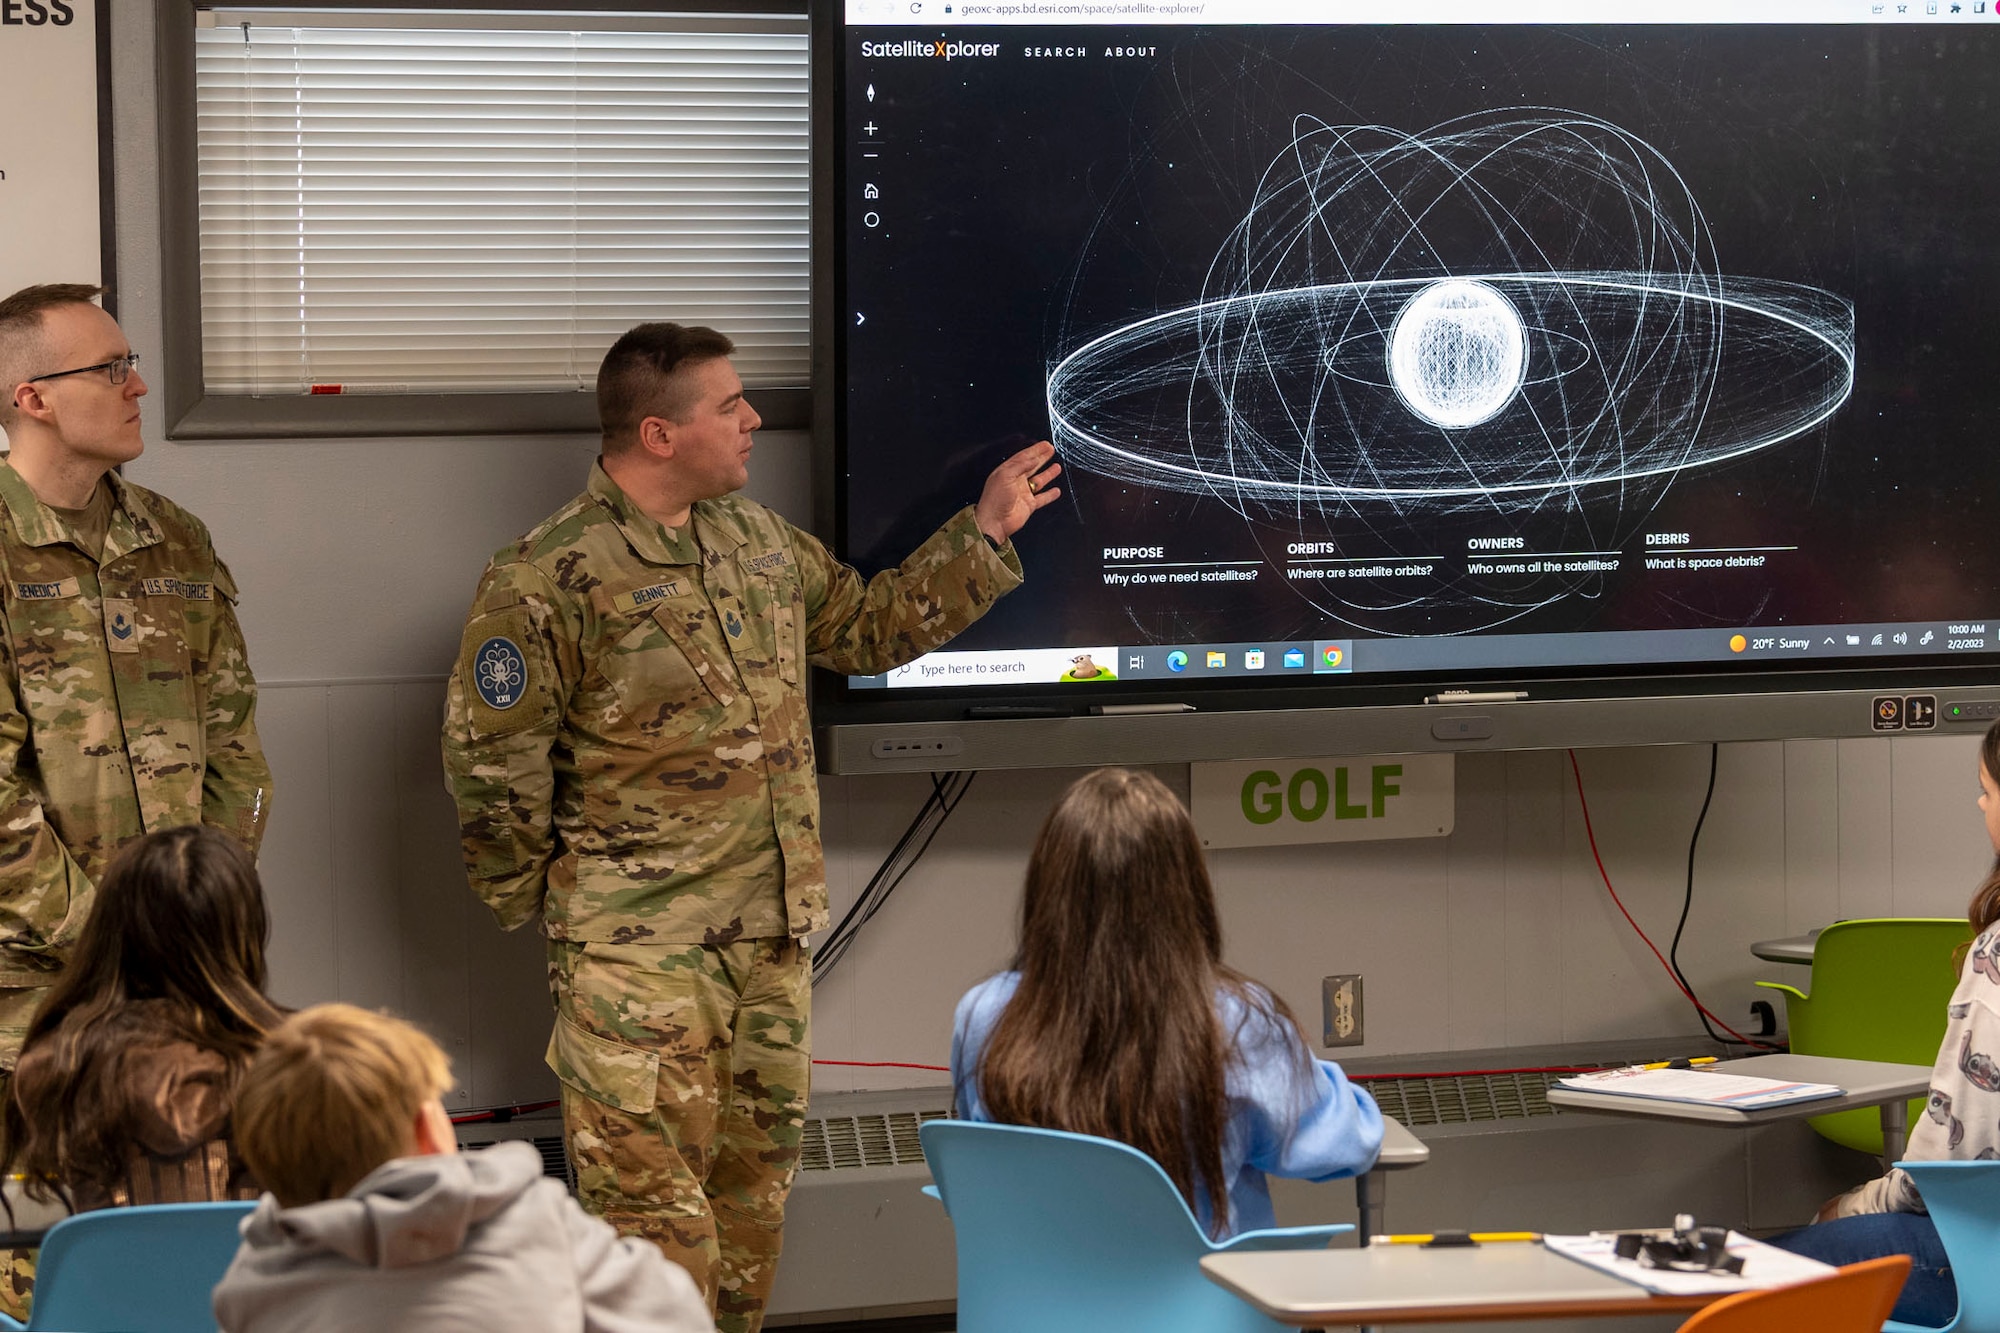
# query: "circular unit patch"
500 673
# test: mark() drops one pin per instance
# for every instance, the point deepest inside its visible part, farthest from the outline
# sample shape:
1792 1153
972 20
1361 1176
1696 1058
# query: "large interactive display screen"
1425 344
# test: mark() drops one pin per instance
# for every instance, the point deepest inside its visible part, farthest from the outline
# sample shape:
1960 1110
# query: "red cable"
482 1117
1357 1078
883 1064
1605 875
1474 1073
1590 833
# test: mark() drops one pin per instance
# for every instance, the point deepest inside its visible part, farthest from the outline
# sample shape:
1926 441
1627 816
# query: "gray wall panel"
1867 836
1533 937
370 934
296 860
436 968
1812 834
1475 972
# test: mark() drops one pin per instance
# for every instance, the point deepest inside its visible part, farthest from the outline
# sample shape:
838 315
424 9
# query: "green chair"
1879 992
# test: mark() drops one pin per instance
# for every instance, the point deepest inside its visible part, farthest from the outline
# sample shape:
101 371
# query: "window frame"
193 414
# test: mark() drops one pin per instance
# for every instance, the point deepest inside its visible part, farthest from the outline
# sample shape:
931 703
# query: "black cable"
1687 903
945 795
944 798
888 874
852 920
947 801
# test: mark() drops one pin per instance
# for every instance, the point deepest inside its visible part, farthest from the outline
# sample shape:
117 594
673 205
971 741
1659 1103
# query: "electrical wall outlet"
1340 1001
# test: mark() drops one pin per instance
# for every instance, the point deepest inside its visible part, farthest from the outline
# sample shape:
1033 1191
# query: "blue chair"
1061 1232
1964 1201
148 1269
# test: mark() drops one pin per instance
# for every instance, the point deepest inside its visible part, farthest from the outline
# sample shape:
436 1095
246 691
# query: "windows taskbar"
1100 663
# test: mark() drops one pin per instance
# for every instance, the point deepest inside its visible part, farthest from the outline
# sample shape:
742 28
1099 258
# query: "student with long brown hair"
1120 1019
1962 1122
124 1087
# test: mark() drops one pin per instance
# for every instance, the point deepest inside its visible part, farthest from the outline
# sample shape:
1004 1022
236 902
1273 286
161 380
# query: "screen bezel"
941 728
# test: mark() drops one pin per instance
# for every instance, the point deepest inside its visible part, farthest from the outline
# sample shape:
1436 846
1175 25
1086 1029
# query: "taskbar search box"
1104 664
1021 666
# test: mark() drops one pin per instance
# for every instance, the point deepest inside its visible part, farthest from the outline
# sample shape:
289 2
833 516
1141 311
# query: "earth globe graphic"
1457 353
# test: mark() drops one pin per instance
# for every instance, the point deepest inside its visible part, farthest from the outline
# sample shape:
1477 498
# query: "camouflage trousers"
685 1070
17 1009
17 1265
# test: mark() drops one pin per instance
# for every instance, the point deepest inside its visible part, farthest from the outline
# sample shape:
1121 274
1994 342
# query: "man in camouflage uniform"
126 701
627 741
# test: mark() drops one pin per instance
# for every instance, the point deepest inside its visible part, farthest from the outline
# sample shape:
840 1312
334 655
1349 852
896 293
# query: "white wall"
357 558
1501 934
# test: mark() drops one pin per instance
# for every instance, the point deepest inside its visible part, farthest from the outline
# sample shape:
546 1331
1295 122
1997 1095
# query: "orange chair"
1854 1299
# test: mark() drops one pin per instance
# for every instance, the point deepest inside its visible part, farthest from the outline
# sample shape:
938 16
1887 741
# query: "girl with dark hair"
1887 1216
123 1091
1119 1018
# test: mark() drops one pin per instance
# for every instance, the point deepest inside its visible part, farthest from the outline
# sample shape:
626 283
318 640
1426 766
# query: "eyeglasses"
117 368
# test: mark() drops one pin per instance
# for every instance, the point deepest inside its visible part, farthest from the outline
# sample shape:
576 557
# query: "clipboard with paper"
1704 1087
1763 1265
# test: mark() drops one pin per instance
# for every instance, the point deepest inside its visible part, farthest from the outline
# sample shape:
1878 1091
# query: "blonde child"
375 1221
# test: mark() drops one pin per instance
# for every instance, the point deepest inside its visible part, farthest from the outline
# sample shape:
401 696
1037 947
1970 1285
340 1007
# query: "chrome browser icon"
1333 655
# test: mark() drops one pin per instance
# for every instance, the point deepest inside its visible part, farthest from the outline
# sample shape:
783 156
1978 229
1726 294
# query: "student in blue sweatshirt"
1119 1018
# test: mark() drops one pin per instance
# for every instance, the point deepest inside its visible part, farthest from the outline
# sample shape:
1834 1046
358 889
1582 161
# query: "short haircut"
333 1095
639 378
23 345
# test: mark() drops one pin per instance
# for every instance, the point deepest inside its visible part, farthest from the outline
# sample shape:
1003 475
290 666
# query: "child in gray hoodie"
374 1221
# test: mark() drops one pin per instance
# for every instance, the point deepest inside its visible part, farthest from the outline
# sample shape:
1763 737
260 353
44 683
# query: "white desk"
1865 1083
1406 1284
1401 1150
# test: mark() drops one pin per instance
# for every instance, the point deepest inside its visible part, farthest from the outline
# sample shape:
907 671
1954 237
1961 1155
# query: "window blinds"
423 203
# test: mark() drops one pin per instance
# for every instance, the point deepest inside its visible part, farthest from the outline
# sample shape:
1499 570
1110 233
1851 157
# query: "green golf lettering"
1261 806
1304 778
1342 807
1380 789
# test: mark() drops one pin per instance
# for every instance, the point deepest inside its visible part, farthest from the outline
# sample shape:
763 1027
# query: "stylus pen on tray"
1476 697
1133 710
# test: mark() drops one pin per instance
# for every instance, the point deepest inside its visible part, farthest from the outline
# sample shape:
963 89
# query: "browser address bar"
980 13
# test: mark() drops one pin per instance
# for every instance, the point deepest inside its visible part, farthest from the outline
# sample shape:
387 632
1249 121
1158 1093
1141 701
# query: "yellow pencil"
1680 1064
1458 1237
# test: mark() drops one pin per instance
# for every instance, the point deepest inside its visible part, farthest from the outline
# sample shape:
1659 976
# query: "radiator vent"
1460 1099
837 1143
555 1162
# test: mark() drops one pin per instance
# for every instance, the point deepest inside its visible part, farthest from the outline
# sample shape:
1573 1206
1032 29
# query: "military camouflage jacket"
126 705
626 733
